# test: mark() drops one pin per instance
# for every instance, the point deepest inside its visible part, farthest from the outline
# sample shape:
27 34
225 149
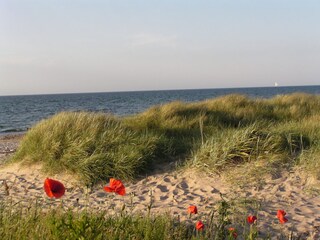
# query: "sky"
64 46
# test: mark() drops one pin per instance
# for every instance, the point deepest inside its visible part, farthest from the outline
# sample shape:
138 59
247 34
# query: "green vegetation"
94 146
35 223
39 222
262 136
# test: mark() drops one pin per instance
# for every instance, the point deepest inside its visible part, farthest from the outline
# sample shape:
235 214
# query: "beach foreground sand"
172 192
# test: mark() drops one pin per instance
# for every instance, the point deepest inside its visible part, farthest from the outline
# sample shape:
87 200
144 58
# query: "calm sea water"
18 113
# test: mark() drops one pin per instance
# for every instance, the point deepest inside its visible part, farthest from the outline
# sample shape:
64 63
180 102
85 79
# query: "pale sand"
173 192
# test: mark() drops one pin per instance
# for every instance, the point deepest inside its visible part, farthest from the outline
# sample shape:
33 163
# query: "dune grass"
34 223
38 222
215 135
92 145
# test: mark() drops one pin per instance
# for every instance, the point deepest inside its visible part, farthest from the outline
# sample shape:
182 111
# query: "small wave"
12 130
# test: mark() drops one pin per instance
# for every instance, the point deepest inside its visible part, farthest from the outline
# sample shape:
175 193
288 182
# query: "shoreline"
8 145
11 134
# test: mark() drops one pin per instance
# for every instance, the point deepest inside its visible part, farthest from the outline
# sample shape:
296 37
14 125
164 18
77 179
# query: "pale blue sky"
55 46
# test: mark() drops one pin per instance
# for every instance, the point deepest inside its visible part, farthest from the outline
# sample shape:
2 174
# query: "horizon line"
151 90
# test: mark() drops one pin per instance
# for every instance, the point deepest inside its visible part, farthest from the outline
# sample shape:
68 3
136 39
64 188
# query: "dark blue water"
17 113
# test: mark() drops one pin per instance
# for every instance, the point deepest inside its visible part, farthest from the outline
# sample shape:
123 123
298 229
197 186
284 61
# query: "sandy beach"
169 192
8 145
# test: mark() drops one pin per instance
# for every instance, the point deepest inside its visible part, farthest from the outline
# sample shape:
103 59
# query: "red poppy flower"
115 186
233 231
192 209
199 225
251 219
281 216
53 188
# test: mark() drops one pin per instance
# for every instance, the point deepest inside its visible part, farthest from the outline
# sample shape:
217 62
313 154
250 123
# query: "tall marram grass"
93 145
215 134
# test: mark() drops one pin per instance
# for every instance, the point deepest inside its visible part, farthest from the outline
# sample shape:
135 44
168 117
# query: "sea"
19 113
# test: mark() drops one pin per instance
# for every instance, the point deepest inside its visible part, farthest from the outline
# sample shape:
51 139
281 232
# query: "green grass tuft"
94 146
35 223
